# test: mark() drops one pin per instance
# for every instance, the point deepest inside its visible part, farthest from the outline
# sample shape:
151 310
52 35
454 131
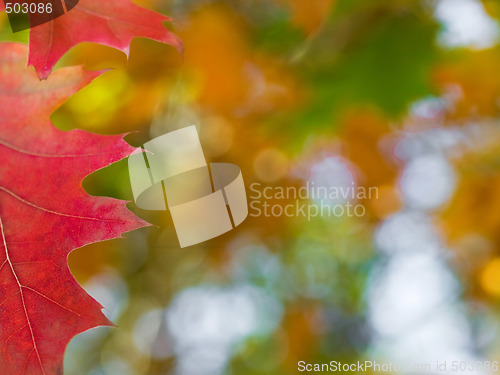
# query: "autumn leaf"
45 214
112 22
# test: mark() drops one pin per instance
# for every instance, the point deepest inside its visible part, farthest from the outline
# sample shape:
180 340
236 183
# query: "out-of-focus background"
400 96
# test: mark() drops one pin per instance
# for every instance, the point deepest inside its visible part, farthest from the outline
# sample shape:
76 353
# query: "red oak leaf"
45 214
111 22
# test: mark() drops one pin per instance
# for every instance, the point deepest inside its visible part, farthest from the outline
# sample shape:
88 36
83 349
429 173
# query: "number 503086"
30 8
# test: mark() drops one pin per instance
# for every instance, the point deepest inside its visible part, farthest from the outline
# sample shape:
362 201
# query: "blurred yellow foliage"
309 15
490 277
361 133
476 74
